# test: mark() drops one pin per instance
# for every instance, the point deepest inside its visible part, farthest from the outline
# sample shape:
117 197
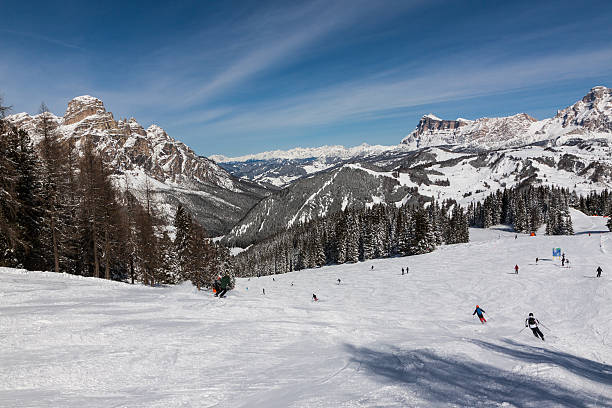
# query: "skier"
315 298
339 281
533 323
217 286
516 236
479 312
407 269
372 267
516 268
599 271
273 279
402 271
225 285
537 259
263 291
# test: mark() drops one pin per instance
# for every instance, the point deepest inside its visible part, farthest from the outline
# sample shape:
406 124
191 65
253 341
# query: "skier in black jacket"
533 323
599 271
225 285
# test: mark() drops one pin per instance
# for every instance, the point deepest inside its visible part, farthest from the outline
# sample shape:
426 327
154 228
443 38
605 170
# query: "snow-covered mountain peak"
81 107
158 133
176 173
588 118
431 116
593 112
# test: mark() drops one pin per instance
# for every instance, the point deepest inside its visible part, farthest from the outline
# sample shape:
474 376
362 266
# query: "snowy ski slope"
377 340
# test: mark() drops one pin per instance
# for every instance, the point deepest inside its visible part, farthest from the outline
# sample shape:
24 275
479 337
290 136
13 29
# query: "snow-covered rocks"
588 118
172 171
82 107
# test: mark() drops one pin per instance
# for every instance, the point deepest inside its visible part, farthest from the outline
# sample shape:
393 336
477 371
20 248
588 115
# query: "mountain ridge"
589 117
175 173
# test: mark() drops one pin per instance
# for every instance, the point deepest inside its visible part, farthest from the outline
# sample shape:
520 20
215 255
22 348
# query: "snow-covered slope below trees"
378 339
138 157
434 173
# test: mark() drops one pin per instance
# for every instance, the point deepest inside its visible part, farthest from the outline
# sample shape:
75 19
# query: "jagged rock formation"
175 173
593 113
590 117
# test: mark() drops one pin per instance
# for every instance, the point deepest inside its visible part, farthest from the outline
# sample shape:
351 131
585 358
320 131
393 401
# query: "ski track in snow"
377 340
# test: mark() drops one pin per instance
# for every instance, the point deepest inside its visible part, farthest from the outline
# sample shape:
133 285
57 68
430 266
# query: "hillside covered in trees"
60 211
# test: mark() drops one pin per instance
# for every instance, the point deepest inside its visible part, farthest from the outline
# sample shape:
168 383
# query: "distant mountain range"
249 198
174 173
591 117
461 159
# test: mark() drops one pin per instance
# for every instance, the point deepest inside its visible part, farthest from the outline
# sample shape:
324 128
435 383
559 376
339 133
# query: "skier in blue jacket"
480 312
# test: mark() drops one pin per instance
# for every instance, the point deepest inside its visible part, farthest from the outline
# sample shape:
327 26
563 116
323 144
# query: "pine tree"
182 225
27 190
423 240
9 228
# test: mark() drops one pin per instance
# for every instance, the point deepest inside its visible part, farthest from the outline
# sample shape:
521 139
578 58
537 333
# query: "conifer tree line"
526 209
597 204
60 211
356 235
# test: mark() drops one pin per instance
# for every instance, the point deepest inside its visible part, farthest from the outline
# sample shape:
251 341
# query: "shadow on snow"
442 379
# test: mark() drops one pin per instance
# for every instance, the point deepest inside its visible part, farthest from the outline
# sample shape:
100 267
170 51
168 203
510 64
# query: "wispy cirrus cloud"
269 69
453 78
44 38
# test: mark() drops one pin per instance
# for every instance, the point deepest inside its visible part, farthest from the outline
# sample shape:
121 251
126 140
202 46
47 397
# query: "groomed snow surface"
379 339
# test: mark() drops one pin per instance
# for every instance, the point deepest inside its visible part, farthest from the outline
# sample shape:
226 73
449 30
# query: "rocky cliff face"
591 117
432 123
483 132
175 172
592 113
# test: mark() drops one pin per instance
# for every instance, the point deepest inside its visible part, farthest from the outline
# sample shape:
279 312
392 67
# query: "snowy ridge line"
335 151
590 117
179 174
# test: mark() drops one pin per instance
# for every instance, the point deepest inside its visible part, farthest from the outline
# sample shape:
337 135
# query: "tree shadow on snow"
442 379
580 366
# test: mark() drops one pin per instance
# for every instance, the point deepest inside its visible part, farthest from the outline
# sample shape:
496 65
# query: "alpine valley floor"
379 339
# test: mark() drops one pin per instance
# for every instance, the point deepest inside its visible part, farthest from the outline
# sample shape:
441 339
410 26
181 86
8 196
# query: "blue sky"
239 77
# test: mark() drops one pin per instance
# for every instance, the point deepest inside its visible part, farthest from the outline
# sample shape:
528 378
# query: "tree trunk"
106 255
95 250
55 250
